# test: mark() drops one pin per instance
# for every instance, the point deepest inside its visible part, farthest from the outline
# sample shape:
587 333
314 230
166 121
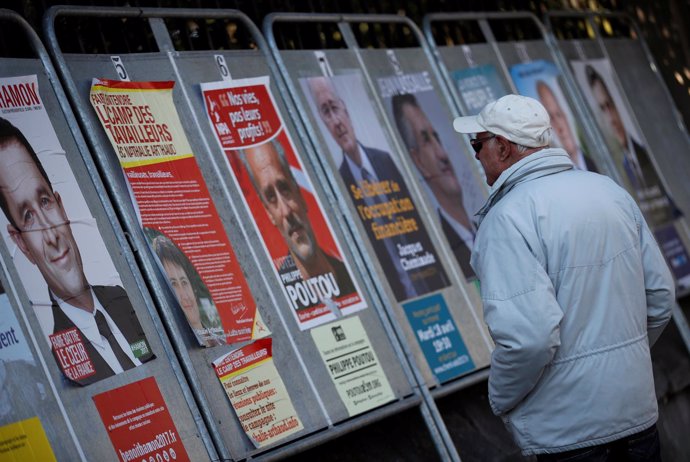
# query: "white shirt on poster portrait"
86 323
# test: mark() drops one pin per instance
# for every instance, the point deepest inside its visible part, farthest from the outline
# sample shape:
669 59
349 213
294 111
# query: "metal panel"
353 63
504 55
303 63
466 302
510 53
83 425
626 54
290 362
663 141
25 378
668 140
297 358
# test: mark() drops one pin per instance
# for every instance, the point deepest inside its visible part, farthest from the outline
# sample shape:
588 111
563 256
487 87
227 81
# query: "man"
561 125
636 162
431 159
101 318
373 180
575 291
282 199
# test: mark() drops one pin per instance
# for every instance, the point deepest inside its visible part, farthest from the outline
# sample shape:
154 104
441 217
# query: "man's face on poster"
283 200
41 229
609 111
334 114
559 121
429 155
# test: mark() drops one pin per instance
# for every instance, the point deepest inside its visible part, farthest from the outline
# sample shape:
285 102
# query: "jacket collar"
541 163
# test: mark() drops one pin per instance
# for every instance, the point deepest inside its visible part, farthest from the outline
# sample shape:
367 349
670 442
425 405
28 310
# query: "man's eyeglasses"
477 143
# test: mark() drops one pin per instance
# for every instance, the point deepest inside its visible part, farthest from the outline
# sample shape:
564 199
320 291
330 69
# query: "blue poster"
438 337
675 253
478 86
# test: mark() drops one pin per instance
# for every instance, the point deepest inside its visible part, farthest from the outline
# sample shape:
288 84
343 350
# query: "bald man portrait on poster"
372 180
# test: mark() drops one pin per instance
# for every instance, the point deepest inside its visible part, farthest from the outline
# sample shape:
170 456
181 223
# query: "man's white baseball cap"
520 119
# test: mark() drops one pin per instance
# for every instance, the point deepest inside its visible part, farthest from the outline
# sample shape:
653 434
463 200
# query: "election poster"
29 414
438 337
450 183
25 441
541 80
632 159
57 249
176 209
353 136
478 86
352 365
139 423
675 252
24 391
257 393
630 155
297 236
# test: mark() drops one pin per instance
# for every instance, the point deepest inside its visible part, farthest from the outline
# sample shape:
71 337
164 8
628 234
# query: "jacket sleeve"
521 312
658 283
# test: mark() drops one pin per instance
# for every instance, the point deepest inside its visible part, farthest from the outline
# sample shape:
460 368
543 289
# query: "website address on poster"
364 387
457 362
161 441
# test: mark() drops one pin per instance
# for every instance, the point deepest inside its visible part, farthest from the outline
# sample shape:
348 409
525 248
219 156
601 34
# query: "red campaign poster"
139 424
297 237
257 393
176 210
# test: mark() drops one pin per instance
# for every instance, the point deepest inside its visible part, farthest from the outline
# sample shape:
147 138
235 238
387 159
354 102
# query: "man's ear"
58 199
503 147
265 205
18 239
270 217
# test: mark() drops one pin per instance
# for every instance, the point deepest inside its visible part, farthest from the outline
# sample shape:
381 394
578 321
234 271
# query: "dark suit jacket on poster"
342 277
425 279
589 163
116 303
460 250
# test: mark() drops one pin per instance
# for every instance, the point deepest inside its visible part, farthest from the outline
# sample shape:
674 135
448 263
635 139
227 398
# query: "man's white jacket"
575 290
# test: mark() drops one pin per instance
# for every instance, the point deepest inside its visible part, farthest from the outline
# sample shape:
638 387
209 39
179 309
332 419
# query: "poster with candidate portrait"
630 155
343 112
57 249
540 80
449 181
632 158
296 235
176 209
24 396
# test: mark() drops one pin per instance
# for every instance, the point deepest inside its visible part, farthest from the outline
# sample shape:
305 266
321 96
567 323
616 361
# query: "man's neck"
455 209
355 156
83 300
317 265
